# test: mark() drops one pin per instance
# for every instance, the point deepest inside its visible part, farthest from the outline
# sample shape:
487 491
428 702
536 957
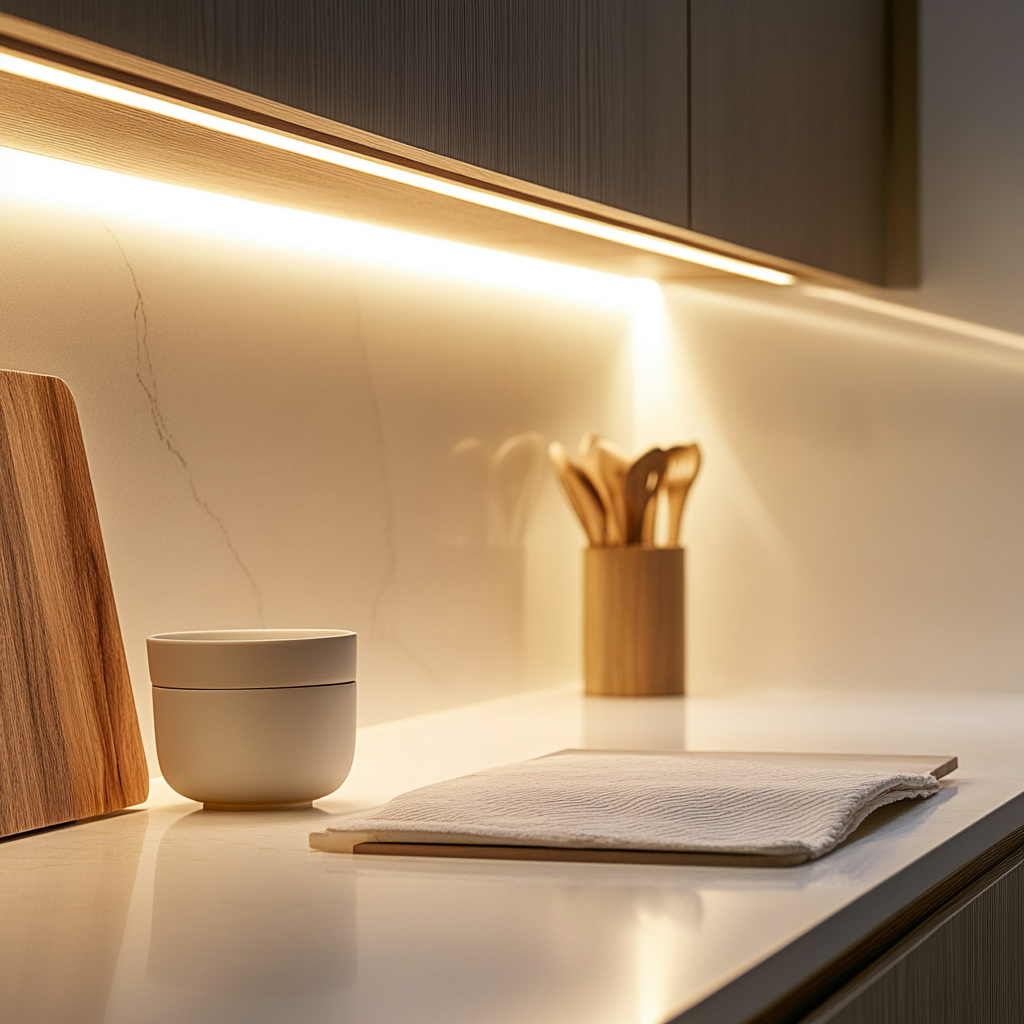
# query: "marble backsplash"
301 438
284 439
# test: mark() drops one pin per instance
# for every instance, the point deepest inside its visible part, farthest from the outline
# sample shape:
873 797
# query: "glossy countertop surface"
172 913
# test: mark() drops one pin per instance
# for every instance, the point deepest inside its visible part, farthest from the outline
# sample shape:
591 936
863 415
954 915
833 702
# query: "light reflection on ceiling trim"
908 314
239 129
27 176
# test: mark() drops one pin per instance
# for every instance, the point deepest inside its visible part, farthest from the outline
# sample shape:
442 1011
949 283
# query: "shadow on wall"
861 520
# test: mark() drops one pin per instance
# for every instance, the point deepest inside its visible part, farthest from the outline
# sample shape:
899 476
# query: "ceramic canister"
254 718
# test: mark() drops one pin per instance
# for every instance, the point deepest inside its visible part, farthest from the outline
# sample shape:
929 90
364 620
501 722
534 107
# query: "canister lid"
243 659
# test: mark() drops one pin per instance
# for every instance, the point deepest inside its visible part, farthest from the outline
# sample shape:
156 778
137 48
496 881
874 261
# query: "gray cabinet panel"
964 966
786 126
789 115
585 96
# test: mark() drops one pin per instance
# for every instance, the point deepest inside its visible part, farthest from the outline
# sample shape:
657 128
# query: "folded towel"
655 802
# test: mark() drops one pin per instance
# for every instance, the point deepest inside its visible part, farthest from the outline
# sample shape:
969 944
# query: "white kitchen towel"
659 802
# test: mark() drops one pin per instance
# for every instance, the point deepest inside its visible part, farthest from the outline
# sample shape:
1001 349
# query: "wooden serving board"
70 746
918 764
938 765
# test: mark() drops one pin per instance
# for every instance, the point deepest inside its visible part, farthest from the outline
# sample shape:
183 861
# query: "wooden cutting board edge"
71 747
943 763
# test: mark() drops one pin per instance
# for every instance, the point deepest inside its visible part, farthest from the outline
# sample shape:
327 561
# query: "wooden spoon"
642 481
606 467
580 493
683 462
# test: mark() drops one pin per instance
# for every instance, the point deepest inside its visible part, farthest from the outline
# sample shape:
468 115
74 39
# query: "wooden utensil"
683 462
606 468
642 481
650 521
69 738
581 495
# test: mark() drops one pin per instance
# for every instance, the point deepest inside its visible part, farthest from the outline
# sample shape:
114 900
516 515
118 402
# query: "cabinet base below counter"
963 965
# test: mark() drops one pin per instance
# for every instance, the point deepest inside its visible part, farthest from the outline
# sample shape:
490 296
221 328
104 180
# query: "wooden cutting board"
69 737
923 764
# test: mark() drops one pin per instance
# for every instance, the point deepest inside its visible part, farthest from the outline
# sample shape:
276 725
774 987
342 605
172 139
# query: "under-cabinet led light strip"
239 129
126 199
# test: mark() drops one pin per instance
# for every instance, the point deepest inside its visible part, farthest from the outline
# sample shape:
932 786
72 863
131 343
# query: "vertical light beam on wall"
655 414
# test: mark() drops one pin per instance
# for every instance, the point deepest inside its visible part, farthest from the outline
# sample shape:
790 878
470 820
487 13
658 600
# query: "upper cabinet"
802 131
781 126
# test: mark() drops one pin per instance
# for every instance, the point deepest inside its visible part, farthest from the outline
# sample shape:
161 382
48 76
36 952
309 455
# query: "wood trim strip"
547 242
577 856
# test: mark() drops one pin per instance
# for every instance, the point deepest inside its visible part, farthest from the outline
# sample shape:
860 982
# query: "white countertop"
175 914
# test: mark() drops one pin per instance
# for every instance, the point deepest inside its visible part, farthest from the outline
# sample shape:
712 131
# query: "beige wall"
972 161
270 436
860 518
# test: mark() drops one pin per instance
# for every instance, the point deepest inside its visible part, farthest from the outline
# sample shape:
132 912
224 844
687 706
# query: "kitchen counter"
171 913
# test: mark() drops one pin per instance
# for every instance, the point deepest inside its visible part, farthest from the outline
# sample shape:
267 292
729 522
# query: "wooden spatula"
69 739
681 468
581 495
642 481
606 467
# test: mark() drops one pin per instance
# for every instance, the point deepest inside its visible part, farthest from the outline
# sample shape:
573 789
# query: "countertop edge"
755 991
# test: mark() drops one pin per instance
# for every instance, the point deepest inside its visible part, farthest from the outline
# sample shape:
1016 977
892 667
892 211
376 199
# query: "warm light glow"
895 311
240 129
107 193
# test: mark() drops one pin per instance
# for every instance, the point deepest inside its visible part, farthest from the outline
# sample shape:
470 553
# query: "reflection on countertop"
64 899
214 930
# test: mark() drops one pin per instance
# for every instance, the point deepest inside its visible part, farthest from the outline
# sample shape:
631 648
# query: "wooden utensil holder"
634 621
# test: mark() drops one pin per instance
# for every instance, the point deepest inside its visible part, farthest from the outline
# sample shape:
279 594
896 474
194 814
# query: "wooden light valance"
75 100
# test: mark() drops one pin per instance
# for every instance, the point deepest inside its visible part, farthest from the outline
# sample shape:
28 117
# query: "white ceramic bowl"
254 718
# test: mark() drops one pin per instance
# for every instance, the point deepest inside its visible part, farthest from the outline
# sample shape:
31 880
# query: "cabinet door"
964 966
786 126
791 130
585 96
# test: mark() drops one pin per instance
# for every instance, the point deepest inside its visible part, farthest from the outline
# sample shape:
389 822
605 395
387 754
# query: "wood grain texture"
963 966
70 746
54 122
634 641
791 129
550 853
